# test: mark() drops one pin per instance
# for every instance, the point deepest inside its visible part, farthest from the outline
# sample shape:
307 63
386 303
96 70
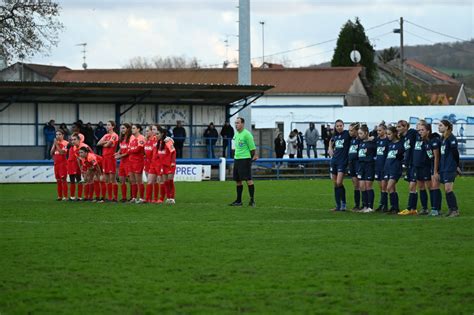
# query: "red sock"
109 191
172 194
168 189
115 186
97 189
123 186
72 188
65 189
156 191
79 191
91 190
134 191
59 188
103 190
149 191
162 191
86 191
141 189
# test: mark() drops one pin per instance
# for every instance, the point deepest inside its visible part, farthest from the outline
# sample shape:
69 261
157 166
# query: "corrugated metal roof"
286 81
126 93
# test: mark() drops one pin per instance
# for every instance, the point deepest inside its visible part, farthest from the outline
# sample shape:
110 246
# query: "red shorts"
168 169
136 167
147 166
155 169
123 169
60 170
73 168
109 165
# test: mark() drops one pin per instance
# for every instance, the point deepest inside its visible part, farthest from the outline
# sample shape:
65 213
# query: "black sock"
384 199
364 198
357 198
370 198
451 201
240 188
251 191
343 194
438 198
433 199
412 200
423 199
337 196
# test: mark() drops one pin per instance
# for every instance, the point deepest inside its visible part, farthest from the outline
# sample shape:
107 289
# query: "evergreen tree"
352 36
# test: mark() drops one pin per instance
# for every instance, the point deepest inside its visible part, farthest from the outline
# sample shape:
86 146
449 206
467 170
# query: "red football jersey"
149 145
109 151
165 155
136 151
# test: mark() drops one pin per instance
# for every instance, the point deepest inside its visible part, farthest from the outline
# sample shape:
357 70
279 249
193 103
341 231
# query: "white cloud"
139 24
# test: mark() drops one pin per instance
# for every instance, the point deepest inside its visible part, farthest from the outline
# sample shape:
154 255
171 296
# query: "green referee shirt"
243 144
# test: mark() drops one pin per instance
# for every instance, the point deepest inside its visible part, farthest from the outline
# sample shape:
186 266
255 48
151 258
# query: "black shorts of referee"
242 170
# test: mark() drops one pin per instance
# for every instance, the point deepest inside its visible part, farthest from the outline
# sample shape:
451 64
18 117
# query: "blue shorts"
447 177
379 175
353 166
337 168
366 171
422 173
410 174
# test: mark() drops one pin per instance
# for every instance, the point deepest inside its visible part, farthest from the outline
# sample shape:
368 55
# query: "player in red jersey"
73 166
59 152
91 165
122 155
109 143
136 153
167 157
154 173
149 146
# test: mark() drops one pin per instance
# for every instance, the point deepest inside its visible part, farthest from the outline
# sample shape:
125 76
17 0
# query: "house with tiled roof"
440 87
29 72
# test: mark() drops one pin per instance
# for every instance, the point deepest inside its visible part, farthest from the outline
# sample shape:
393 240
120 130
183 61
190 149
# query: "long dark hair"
448 124
161 141
126 136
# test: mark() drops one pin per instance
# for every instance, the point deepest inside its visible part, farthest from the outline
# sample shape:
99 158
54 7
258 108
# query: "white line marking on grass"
236 221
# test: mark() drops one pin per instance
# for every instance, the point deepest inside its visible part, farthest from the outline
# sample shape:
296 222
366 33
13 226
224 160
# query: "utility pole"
263 41
244 72
402 56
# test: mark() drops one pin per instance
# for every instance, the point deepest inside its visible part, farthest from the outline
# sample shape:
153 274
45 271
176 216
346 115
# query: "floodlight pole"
244 72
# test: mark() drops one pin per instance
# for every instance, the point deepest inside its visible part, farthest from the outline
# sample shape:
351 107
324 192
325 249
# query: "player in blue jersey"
435 192
408 136
393 167
421 164
354 163
449 165
366 171
338 150
382 144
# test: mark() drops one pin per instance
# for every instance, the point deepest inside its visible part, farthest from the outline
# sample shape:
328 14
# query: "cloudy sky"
117 30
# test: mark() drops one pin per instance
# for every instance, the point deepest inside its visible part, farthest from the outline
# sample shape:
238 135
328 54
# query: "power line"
436 32
380 25
421 37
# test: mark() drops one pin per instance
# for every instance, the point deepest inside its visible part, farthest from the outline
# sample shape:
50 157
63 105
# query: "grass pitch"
200 256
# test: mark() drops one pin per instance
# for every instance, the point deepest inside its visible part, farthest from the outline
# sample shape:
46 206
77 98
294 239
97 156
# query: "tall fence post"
222 165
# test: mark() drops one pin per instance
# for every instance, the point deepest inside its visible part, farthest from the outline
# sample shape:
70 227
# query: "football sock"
357 198
240 189
123 187
72 188
423 199
251 191
451 201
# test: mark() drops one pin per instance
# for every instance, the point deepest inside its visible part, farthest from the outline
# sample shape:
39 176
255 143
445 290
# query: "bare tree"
170 62
28 27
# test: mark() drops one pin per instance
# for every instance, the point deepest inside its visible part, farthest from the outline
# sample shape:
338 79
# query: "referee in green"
244 153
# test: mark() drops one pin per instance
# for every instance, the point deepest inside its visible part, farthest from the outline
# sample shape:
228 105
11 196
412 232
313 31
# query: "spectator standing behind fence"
210 136
89 135
99 132
280 146
227 133
300 143
311 136
292 145
65 131
179 135
326 134
49 132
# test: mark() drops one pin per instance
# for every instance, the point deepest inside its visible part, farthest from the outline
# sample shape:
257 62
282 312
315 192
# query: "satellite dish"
84 65
355 56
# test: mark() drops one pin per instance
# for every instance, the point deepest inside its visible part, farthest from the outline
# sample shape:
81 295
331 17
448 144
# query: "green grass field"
200 256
